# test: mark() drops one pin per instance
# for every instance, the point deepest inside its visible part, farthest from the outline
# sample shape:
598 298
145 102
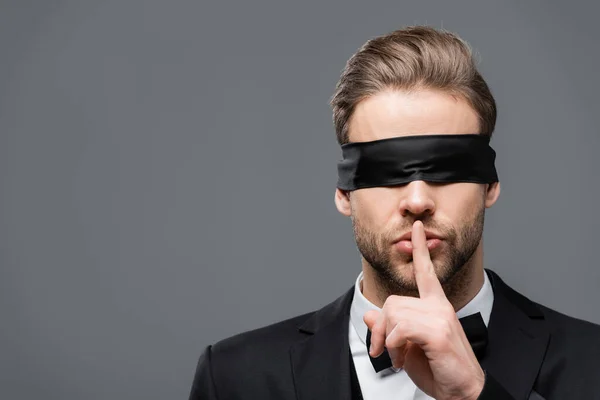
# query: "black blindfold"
443 158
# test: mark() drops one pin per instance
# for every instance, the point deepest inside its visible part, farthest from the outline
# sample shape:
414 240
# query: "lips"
428 235
404 243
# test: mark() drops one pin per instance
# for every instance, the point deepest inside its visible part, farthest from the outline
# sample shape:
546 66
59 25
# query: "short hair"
412 58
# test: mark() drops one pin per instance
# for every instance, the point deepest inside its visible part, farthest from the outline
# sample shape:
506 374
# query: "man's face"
452 214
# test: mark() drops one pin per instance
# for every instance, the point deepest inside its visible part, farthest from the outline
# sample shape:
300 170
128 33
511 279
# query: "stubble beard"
394 271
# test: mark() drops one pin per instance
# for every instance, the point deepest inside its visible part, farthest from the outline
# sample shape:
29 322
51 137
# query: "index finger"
427 280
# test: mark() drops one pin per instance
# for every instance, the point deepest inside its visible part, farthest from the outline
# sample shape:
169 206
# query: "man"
424 318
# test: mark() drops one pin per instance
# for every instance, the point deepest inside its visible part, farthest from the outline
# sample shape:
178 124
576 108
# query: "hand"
424 336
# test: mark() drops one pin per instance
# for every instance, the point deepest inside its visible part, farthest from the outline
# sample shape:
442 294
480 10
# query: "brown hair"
417 57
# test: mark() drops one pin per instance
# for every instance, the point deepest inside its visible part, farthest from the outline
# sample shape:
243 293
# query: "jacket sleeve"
203 387
493 390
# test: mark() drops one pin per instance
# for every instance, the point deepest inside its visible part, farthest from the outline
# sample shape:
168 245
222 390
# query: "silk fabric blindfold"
445 158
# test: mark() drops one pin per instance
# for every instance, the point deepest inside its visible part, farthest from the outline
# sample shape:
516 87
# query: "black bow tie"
473 326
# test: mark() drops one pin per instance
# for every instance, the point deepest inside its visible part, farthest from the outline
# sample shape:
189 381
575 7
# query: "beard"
394 272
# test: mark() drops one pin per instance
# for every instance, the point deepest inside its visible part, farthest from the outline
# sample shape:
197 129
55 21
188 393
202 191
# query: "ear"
342 202
492 194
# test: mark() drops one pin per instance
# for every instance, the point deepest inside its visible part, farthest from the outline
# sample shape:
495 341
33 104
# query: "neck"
460 289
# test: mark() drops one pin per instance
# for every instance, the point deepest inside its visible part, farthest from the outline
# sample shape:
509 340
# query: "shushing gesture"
424 336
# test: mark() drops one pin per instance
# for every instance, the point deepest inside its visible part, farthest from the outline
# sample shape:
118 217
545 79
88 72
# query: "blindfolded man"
424 318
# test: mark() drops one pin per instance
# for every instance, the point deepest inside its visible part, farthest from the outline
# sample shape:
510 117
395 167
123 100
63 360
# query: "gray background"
167 171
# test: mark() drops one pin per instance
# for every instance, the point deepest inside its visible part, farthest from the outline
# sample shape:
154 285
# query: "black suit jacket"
533 353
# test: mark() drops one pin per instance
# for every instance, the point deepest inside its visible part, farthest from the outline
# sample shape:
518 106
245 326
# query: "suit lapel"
518 338
321 362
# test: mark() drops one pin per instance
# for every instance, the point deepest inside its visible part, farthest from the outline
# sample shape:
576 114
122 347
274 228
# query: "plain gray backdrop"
167 171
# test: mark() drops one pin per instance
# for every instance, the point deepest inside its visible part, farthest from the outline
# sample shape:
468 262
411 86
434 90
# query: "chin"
404 270
404 275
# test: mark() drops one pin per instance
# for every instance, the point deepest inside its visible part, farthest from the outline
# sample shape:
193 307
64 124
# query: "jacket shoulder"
244 363
570 365
274 341
276 336
576 332
255 362
559 324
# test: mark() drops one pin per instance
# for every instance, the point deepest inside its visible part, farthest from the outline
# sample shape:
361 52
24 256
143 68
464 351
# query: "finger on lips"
425 276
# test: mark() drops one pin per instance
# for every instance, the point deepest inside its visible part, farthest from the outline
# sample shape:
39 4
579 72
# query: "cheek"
373 207
461 202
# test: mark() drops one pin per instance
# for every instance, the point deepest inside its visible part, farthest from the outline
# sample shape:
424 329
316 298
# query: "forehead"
394 113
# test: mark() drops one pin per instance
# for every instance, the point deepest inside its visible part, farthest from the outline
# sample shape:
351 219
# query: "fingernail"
371 349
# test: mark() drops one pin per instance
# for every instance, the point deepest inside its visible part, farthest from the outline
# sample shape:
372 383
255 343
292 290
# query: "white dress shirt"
391 383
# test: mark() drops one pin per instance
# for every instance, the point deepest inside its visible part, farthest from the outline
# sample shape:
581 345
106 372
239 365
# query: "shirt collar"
482 303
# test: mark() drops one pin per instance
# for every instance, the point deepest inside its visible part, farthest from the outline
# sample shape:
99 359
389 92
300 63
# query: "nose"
417 199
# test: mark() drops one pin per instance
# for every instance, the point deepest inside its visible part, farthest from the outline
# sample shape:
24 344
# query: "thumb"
370 318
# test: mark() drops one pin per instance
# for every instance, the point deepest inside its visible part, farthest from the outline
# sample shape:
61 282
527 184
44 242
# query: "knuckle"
448 312
446 331
396 336
391 301
443 333
390 342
